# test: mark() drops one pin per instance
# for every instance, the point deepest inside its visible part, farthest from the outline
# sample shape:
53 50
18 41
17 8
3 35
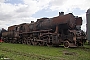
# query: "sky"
14 12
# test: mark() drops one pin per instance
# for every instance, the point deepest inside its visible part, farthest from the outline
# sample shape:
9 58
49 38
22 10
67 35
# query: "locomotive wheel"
66 44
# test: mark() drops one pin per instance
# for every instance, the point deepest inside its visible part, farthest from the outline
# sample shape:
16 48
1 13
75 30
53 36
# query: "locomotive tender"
63 29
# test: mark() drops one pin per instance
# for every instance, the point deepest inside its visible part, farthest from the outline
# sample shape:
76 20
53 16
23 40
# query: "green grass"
29 52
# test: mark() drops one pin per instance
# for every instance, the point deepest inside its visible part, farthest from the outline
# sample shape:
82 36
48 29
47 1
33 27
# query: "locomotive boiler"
63 29
67 21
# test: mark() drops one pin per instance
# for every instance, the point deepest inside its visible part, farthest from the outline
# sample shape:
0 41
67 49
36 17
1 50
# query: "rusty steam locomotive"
63 29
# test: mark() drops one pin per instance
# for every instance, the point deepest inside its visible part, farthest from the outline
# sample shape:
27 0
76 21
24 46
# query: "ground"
29 52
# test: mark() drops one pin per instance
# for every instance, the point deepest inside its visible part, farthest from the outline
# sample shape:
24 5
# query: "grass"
29 52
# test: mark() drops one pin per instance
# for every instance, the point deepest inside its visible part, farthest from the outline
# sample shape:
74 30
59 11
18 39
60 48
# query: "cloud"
2 1
10 14
69 5
83 27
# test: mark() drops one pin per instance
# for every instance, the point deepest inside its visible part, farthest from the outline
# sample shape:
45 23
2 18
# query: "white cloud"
83 27
2 1
69 5
36 5
14 14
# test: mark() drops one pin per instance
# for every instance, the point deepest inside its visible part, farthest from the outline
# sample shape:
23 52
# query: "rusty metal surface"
79 21
65 19
24 27
11 28
31 26
4 34
51 23
42 19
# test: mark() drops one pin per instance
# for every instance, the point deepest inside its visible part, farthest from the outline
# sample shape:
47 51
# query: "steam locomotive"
61 30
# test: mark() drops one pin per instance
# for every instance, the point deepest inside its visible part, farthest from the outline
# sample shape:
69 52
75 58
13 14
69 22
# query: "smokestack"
61 13
32 21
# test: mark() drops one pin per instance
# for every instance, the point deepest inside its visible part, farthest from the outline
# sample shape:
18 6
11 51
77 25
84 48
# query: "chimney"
61 13
32 21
